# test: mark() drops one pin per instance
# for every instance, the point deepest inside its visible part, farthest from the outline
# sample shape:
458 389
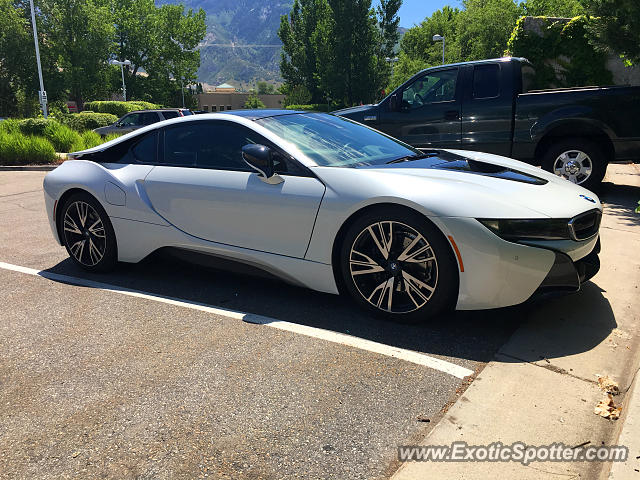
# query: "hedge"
318 107
87 120
118 108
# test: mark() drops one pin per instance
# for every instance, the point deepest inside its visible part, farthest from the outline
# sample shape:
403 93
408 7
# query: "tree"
79 34
17 61
162 42
616 27
479 34
265 88
253 101
337 48
553 8
300 45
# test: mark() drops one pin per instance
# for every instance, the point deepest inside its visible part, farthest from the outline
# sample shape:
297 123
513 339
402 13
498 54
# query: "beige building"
225 97
220 101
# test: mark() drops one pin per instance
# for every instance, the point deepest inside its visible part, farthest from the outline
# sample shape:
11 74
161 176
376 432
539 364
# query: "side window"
207 145
131 120
149 117
430 88
170 114
486 81
217 145
146 150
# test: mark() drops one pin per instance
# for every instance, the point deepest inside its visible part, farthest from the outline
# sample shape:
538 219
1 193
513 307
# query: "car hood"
471 184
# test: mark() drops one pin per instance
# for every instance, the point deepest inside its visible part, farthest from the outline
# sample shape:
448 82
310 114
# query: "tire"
87 233
578 160
416 281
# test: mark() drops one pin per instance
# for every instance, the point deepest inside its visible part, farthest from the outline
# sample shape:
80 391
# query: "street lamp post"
438 38
122 64
42 94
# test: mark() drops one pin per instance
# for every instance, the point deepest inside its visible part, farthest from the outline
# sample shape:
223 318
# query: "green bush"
88 120
35 126
19 149
118 108
317 107
63 138
90 139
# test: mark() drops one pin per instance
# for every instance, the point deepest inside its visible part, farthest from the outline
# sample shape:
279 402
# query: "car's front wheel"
398 264
87 233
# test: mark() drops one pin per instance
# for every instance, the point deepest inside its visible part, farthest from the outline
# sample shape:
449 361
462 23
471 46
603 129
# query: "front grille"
585 225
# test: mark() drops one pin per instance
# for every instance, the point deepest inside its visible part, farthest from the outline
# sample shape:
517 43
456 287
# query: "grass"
91 139
63 138
19 149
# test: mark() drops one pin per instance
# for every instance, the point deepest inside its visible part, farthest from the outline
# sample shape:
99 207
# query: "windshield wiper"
410 158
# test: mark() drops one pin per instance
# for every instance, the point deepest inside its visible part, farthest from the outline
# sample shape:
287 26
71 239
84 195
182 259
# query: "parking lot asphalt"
98 384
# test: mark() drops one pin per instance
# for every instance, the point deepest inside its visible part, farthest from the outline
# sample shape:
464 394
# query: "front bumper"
567 275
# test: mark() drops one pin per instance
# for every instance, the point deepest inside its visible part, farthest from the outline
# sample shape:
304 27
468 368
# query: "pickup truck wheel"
577 160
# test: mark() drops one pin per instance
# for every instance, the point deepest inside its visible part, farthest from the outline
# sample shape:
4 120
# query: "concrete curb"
629 436
27 168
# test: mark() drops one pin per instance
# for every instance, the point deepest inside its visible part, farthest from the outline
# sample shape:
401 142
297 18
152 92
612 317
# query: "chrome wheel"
393 267
84 233
573 165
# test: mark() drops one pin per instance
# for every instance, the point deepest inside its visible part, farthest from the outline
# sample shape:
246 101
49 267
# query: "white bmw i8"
332 205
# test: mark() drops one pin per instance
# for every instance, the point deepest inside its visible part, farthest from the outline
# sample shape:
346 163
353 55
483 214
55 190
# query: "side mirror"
394 104
259 158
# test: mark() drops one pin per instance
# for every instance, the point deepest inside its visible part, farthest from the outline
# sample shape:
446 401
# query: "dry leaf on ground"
607 408
608 385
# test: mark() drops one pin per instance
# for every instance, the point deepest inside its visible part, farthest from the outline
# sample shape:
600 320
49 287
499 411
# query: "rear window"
486 81
186 112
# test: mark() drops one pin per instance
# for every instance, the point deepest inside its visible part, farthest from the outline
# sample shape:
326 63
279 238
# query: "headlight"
524 229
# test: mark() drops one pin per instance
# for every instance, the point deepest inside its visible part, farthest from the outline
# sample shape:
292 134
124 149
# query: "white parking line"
328 335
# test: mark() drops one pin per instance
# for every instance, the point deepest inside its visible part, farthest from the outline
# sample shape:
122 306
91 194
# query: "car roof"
158 110
257 114
476 62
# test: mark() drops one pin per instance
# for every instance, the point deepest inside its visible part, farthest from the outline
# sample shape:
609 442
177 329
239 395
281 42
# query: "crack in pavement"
550 367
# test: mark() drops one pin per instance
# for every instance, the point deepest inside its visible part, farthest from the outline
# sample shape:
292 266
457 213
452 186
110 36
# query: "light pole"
122 64
438 38
42 94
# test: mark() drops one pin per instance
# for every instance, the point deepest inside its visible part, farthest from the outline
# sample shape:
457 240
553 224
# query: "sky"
412 12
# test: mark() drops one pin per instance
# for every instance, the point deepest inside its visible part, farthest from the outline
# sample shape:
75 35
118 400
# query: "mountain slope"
232 24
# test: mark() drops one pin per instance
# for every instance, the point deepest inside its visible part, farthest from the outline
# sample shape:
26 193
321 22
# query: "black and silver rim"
573 165
393 267
84 233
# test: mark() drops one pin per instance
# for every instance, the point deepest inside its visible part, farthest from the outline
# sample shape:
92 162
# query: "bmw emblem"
588 199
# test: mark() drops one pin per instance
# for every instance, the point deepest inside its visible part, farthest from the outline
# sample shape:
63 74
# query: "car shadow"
470 335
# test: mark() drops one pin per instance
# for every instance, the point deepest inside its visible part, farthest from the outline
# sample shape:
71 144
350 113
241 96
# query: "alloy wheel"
393 267
84 233
573 165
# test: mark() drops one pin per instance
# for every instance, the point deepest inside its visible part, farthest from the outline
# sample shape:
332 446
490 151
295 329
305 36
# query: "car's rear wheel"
577 160
87 233
397 264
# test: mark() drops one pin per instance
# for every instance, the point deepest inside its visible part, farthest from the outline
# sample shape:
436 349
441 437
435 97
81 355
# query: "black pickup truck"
489 106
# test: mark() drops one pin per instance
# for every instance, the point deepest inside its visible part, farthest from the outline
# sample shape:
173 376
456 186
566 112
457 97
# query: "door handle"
451 115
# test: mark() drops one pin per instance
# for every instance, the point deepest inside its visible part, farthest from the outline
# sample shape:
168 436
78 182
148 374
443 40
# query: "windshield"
333 141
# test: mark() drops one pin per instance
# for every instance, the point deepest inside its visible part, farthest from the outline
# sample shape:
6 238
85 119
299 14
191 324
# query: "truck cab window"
431 88
486 81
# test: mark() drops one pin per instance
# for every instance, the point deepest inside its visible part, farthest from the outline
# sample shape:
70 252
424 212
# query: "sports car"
329 204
